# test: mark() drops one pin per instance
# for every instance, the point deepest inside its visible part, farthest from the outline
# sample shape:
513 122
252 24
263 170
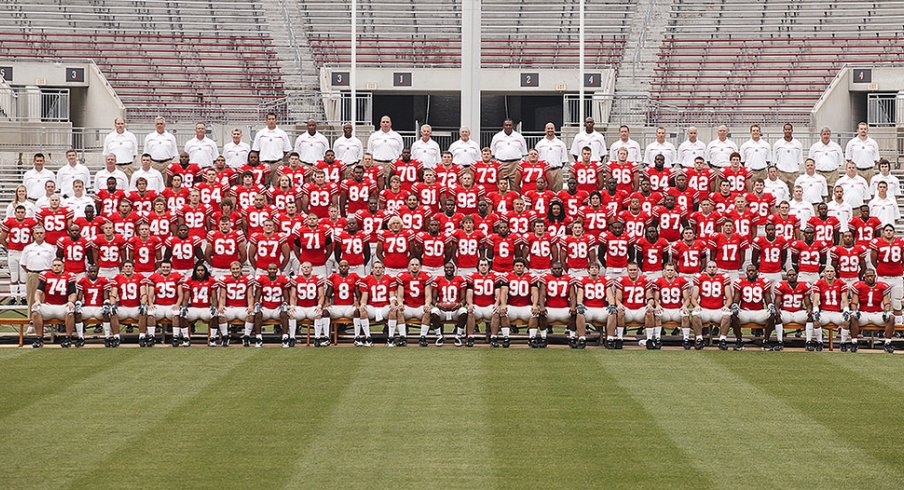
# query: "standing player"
144 250
769 252
672 294
503 247
165 297
752 304
352 246
434 247
728 248
15 234
634 303
711 298
793 300
871 303
579 250
73 250
617 249
54 300
808 257
689 254
182 251
450 303
306 302
224 246
887 255
393 246
652 251
267 248
93 303
313 243
542 249
518 300
469 246
849 259
107 251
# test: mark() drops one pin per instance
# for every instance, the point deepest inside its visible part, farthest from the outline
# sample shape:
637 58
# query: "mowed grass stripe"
39 374
407 418
742 435
857 410
64 435
560 420
241 431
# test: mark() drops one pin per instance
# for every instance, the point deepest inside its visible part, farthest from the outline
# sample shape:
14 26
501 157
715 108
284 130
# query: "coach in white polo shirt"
863 151
465 151
828 155
509 147
788 155
884 175
813 185
719 150
624 139
35 177
348 148
311 145
122 143
800 207
236 151
110 170
153 177
270 142
36 258
553 151
201 149
425 149
590 138
772 185
161 145
756 153
660 147
691 148
69 173
385 144
856 188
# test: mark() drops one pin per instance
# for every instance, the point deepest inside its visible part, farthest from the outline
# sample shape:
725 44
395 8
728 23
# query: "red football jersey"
226 247
370 223
244 196
540 249
577 251
320 197
56 287
106 202
744 223
750 295
830 295
160 224
485 224
449 224
520 288
531 173
212 194
466 198
414 219
447 177
701 180
307 290
723 202
336 227
634 293
671 293
125 225
269 250
792 298
558 290
449 290
522 222
824 229
539 201
18 234
237 290
614 203
770 253
408 171
785 227
177 199
587 175
635 224
737 177
254 218
650 255
428 195
809 256
728 252
352 247
144 253
594 291
647 201
486 174
414 288
273 291
142 204
396 247
864 231
889 256
595 220
259 171
166 288
129 289
706 224
468 247
93 292
483 288
74 253
502 203
183 256
378 290
713 290
188 173
280 197
314 243
358 193
659 179
761 206
504 250
616 248
688 258
108 252
848 260
332 171
54 222
573 202
393 201
343 288
870 297
623 173
685 199
433 248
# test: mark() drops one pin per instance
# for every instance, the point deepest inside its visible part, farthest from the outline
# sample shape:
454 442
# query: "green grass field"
480 418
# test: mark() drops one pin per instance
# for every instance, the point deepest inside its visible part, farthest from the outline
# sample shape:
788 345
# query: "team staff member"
553 151
122 143
348 148
37 257
311 145
271 141
161 145
508 147
385 144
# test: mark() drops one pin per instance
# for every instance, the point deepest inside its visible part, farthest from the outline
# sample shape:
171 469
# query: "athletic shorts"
558 314
833 317
615 272
872 319
271 313
635 315
53 312
758 317
484 312
808 277
707 315
198 314
449 315
343 311
897 289
795 316
163 312
108 272
219 273
377 313
232 313
306 313
522 313
412 312
731 274
671 315
92 312
596 315
775 278
127 312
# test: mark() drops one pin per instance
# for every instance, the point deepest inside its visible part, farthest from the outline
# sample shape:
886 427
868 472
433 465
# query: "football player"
450 303
519 295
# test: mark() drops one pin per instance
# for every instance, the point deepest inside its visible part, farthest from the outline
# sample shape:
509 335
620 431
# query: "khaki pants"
160 166
757 174
31 285
831 176
127 169
554 179
867 173
788 178
507 169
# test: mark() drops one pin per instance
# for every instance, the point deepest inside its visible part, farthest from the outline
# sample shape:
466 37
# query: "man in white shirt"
884 175
509 147
465 151
123 144
856 189
271 142
691 149
425 149
553 151
839 208
660 147
814 185
828 155
772 185
800 207
70 172
348 149
110 170
34 178
863 151
591 138
624 140
884 206
161 145
719 150
788 155
201 149
311 145
36 258
756 153
78 200
152 175
385 144
236 151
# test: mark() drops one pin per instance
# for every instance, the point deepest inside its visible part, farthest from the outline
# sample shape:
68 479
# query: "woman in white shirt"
21 199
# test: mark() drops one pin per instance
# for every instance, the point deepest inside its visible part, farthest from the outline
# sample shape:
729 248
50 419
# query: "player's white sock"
152 331
887 341
620 332
116 336
186 332
224 330
248 328
542 333
107 330
818 334
357 323
531 332
439 332
392 326
699 337
845 333
425 329
259 336
722 337
657 332
365 326
325 326
317 328
403 331
506 331
809 331
141 335
686 333
80 330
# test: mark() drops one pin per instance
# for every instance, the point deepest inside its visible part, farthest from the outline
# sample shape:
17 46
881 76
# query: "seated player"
236 300
871 302
199 303
829 297
449 304
673 298
376 290
519 297
130 299
710 299
752 304
481 297
634 303
270 298
793 300
558 304
93 303
306 300
594 299
54 300
415 294
164 299
341 300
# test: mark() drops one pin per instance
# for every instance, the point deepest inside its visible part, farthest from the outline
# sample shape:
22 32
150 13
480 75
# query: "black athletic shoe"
37 344
422 341
506 342
494 341
766 346
66 342
152 340
470 342
80 342
610 344
176 341
316 342
258 343
544 341
686 344
619 344
811 346
844 346
779 346
573 342
403 341
649 344
439 341
819 346
582 343
699 344
292 342
889 347
224 341
368 342
246 341
854 346
358 342
532 342
723 344
142 342
107 342
797 332
657 344
739 345
116 342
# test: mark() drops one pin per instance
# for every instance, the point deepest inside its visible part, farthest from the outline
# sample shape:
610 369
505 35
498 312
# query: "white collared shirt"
665 149
161 146
153 176
272 144
756 155
68 174
38 257
828 156
203 151
595 140
236 154
348 150
77 205
385 146
634 153
863 152
34 182
856 189
100 179
777 188
124 145
841 210
311 147
553 151
814 186
788 156
465 153
689 151
802 209
507 147
885 209
892 181
427 152
718 153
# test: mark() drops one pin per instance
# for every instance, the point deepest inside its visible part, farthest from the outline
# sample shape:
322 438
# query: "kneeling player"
237 300
519 298
793 300
54 300
415 293
130 299
752 304
481 297
558 304
711 298
831 306
200 294
165 300
270 295
871 302
341 292
92 302
593 297
673 299
306 301
449 304
634 303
